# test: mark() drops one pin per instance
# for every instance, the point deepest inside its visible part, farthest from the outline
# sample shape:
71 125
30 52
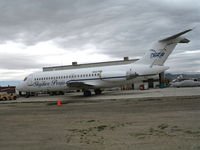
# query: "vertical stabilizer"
162 49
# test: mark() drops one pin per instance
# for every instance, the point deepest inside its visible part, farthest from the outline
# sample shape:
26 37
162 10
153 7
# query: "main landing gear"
89 93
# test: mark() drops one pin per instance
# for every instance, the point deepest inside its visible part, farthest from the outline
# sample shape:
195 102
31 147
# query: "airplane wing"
81 84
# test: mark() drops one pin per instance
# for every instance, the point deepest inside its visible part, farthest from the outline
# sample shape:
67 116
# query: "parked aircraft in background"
97 78
181 82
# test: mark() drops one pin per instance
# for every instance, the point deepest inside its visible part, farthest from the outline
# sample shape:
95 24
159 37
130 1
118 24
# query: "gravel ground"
159 123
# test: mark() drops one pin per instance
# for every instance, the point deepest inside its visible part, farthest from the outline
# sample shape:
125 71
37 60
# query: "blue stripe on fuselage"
118 77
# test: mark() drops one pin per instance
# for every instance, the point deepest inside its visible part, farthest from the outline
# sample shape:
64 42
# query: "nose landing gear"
27 94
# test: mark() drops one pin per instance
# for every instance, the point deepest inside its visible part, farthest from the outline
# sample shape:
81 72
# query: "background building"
75 65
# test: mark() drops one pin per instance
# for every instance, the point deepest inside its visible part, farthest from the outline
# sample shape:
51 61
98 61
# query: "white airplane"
97 78
182 82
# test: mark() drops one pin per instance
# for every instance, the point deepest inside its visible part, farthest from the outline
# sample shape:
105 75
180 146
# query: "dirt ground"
168 123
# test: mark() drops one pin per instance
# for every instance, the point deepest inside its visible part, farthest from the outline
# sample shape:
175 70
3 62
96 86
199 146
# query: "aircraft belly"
109 83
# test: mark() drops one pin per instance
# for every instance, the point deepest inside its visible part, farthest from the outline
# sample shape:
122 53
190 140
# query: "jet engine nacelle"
143 70
131 75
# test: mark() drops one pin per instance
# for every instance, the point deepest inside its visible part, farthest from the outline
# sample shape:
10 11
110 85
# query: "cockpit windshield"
25 79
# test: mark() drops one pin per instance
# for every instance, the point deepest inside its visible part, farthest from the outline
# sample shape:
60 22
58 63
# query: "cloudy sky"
38 33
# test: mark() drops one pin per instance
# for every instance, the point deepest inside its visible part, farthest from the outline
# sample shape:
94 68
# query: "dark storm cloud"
116 27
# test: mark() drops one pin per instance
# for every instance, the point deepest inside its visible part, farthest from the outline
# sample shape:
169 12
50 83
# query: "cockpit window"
25 79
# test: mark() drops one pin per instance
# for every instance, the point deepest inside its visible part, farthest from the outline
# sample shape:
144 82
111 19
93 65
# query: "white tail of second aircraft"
162 49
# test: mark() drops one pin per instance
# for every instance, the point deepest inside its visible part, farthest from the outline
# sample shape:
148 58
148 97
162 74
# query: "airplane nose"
19 87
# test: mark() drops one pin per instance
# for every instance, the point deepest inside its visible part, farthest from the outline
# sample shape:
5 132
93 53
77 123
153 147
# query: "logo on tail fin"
156 54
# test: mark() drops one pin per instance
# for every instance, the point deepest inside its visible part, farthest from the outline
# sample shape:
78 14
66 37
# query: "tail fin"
162 49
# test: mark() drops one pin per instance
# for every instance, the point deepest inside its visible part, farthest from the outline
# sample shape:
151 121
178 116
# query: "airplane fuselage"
100 77
96 77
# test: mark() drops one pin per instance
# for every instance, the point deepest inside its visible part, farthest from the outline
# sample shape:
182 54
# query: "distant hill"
10 83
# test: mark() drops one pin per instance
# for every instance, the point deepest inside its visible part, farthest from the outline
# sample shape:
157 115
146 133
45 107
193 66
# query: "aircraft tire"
97 91
87 93
27 95
61 93
20 93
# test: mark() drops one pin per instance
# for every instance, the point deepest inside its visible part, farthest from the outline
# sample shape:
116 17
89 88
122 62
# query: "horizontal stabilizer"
177 35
